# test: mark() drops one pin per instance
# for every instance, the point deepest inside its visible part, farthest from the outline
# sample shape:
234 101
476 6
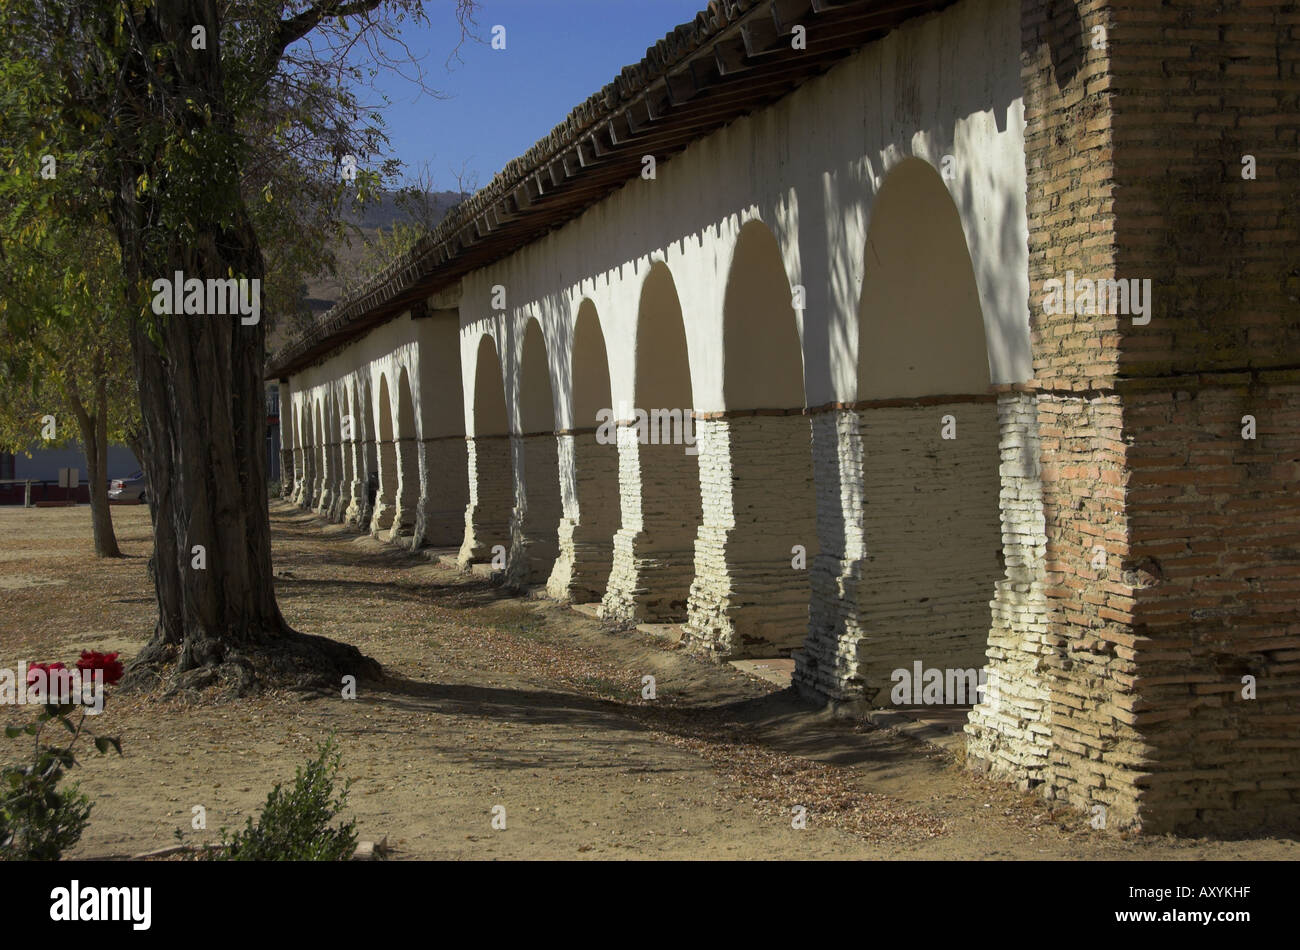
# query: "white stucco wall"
809 167
427 349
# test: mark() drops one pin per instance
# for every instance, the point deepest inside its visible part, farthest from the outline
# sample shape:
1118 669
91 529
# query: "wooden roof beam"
730 57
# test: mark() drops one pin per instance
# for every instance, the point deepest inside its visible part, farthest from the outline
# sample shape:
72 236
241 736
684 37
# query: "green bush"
39 821
295 825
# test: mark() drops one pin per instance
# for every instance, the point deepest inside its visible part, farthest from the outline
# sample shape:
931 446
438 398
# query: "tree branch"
295 28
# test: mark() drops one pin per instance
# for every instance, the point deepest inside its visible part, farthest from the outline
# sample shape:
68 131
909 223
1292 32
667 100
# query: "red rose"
46 668
108 662
57 679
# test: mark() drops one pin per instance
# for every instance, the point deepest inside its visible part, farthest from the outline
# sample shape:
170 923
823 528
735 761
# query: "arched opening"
408 460
339 456
751 592
370 445
489 392
538 538
353 452
491 482
444 489
307 442
587 544
386 496
929 431
324 490
659 475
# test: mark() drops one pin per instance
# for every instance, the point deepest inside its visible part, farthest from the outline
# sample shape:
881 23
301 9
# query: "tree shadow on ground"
459 595
778 722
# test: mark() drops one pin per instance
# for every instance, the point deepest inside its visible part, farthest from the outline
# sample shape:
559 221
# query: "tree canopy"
207 137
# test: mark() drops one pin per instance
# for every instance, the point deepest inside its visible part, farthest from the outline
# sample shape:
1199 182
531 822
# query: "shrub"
38 821
295 825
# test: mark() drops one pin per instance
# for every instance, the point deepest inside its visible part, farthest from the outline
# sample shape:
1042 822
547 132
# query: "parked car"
132 488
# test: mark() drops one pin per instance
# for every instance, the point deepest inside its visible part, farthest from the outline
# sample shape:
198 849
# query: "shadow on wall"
1067 43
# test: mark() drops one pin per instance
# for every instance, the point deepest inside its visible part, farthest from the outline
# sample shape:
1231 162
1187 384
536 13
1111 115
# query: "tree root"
288 660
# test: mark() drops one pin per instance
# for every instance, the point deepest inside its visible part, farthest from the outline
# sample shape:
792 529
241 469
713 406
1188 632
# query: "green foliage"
38 819
377 252
295 825
63 343
94 85
74 361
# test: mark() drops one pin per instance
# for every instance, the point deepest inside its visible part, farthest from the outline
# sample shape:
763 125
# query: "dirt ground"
503 700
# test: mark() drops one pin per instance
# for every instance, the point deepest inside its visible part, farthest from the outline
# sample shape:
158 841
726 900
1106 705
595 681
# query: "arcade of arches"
794 395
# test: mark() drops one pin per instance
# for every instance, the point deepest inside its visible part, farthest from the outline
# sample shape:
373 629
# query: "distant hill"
324 291
384 211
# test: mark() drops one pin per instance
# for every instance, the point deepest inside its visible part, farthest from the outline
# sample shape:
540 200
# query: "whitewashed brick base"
301 478
922 520
534 523
748 598
589 489
653 565
327 483
933 542
827 668
339 501
440 517
491 498
1010 732
408 489
386 496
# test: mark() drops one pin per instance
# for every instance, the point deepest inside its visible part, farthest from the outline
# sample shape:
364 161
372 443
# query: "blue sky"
558 52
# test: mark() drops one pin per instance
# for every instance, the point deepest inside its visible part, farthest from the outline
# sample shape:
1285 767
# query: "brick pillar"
933 543
750 596
589 480
370 451
1010 730
440 517
386 496
491 498
659 488
534 540
1096 755
827 668
299 476
927 510
307 490
356 487
407 495
286 472
339 504
328 482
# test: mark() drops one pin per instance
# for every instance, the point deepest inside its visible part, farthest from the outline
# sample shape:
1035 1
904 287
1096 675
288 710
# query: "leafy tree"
164 107
377 252
73 361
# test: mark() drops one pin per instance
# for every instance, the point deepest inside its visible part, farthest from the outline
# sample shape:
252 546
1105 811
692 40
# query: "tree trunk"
203 405
94 437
